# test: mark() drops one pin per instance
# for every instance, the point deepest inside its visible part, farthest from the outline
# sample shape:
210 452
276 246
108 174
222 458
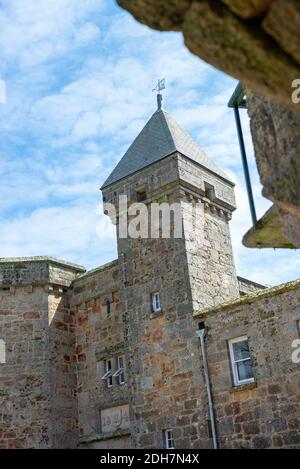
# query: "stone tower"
37 379
164 165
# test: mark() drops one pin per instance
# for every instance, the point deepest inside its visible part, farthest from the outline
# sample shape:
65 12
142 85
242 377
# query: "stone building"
111 358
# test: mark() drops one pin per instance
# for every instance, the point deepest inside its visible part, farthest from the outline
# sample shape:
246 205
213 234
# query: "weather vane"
161 85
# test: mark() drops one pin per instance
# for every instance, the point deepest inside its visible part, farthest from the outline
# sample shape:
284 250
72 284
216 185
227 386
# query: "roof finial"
161 85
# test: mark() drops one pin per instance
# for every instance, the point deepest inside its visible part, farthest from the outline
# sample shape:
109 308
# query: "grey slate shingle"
160 137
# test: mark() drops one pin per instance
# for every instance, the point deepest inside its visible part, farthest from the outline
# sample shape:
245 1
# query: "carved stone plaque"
115 418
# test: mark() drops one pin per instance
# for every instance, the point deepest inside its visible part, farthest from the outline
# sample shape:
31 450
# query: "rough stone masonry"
92 362
257 42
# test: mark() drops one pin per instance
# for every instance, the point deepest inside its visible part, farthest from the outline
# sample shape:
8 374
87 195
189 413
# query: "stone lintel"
105 436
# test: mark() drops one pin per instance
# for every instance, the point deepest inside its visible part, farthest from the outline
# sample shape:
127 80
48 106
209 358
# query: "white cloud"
79 79
66 232
34 33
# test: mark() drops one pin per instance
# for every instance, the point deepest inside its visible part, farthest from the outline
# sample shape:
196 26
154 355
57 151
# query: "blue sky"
79 75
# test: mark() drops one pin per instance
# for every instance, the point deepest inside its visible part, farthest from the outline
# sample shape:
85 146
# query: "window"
209 191
120 373
113 367
108 373
2 352
108 309
169 439
141 196
241 361
156 306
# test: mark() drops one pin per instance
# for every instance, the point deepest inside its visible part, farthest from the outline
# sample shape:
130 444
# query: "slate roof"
160 137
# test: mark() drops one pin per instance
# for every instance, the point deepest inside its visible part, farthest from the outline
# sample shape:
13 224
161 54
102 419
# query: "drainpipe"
201 334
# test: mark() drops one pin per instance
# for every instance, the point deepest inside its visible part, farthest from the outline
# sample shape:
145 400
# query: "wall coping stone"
46 259
251 282
248 299
96 270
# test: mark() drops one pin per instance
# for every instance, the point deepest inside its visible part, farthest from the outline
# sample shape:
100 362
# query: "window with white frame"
2 352
108 372
120 373
241 361
169 439
156 305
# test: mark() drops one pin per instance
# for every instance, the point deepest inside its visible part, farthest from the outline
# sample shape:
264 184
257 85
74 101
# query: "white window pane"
169 439
244 370
107 374
118 372
122 378
156 302
241 350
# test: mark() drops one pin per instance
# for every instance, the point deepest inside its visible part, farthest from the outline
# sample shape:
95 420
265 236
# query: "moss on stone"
162 15
249 299
231 36
45 259
249 8
92 272
268 233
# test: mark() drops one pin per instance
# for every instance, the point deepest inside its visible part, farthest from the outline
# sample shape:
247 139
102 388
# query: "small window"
141 196
108 373
241 361
2 352
209 191
156 306
108 309
169 439
120 373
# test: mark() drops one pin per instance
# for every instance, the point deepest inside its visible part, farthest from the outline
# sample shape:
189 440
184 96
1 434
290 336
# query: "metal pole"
201 334
245 164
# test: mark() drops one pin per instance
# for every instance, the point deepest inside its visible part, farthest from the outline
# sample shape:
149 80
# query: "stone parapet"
37 271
